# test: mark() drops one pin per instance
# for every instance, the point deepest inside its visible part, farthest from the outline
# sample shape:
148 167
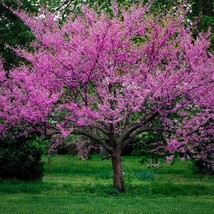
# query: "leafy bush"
20 159
136 152
203 168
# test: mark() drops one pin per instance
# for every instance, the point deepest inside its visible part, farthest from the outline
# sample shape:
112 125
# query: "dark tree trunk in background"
49 163
117 171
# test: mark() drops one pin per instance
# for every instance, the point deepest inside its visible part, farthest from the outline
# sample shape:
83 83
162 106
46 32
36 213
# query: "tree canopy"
14 32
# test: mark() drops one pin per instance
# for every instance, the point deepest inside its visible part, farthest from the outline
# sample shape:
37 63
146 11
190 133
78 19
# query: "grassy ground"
83 187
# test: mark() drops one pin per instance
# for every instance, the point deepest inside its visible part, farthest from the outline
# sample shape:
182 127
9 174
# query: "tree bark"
49 163
117 171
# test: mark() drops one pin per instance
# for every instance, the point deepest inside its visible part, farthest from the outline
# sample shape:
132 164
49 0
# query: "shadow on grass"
80 168
14 187
170 189
149 188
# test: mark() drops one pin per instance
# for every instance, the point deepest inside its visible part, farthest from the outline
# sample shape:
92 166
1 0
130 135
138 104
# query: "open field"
75 186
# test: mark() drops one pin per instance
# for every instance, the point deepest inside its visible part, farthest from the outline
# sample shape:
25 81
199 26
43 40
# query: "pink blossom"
90 75
172 145
169 158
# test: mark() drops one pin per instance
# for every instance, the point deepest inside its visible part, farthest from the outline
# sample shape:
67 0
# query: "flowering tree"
111 78
196 141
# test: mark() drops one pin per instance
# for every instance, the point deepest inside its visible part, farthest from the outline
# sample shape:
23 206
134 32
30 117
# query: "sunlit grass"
75 186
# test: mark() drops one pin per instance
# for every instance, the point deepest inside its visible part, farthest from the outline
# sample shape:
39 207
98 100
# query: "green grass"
75 186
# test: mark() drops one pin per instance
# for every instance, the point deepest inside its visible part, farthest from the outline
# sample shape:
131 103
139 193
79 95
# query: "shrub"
20 159
204 167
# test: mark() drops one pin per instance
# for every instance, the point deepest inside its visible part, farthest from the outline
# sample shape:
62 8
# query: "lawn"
75 186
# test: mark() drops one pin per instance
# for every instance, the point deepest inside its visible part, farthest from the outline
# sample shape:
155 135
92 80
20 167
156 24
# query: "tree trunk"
117 171
49 162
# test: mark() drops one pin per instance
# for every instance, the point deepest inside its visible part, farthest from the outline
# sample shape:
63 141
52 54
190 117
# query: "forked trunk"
117 171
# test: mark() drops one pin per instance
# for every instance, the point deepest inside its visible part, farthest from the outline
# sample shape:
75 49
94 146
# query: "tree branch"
101 129
94 138
136 126
140 131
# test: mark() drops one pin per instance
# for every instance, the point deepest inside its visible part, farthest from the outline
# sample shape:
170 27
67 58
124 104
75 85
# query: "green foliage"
136 152
13 32
21 159
146 142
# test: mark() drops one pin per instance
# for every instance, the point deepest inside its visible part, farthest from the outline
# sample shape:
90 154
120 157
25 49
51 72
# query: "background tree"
13 32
